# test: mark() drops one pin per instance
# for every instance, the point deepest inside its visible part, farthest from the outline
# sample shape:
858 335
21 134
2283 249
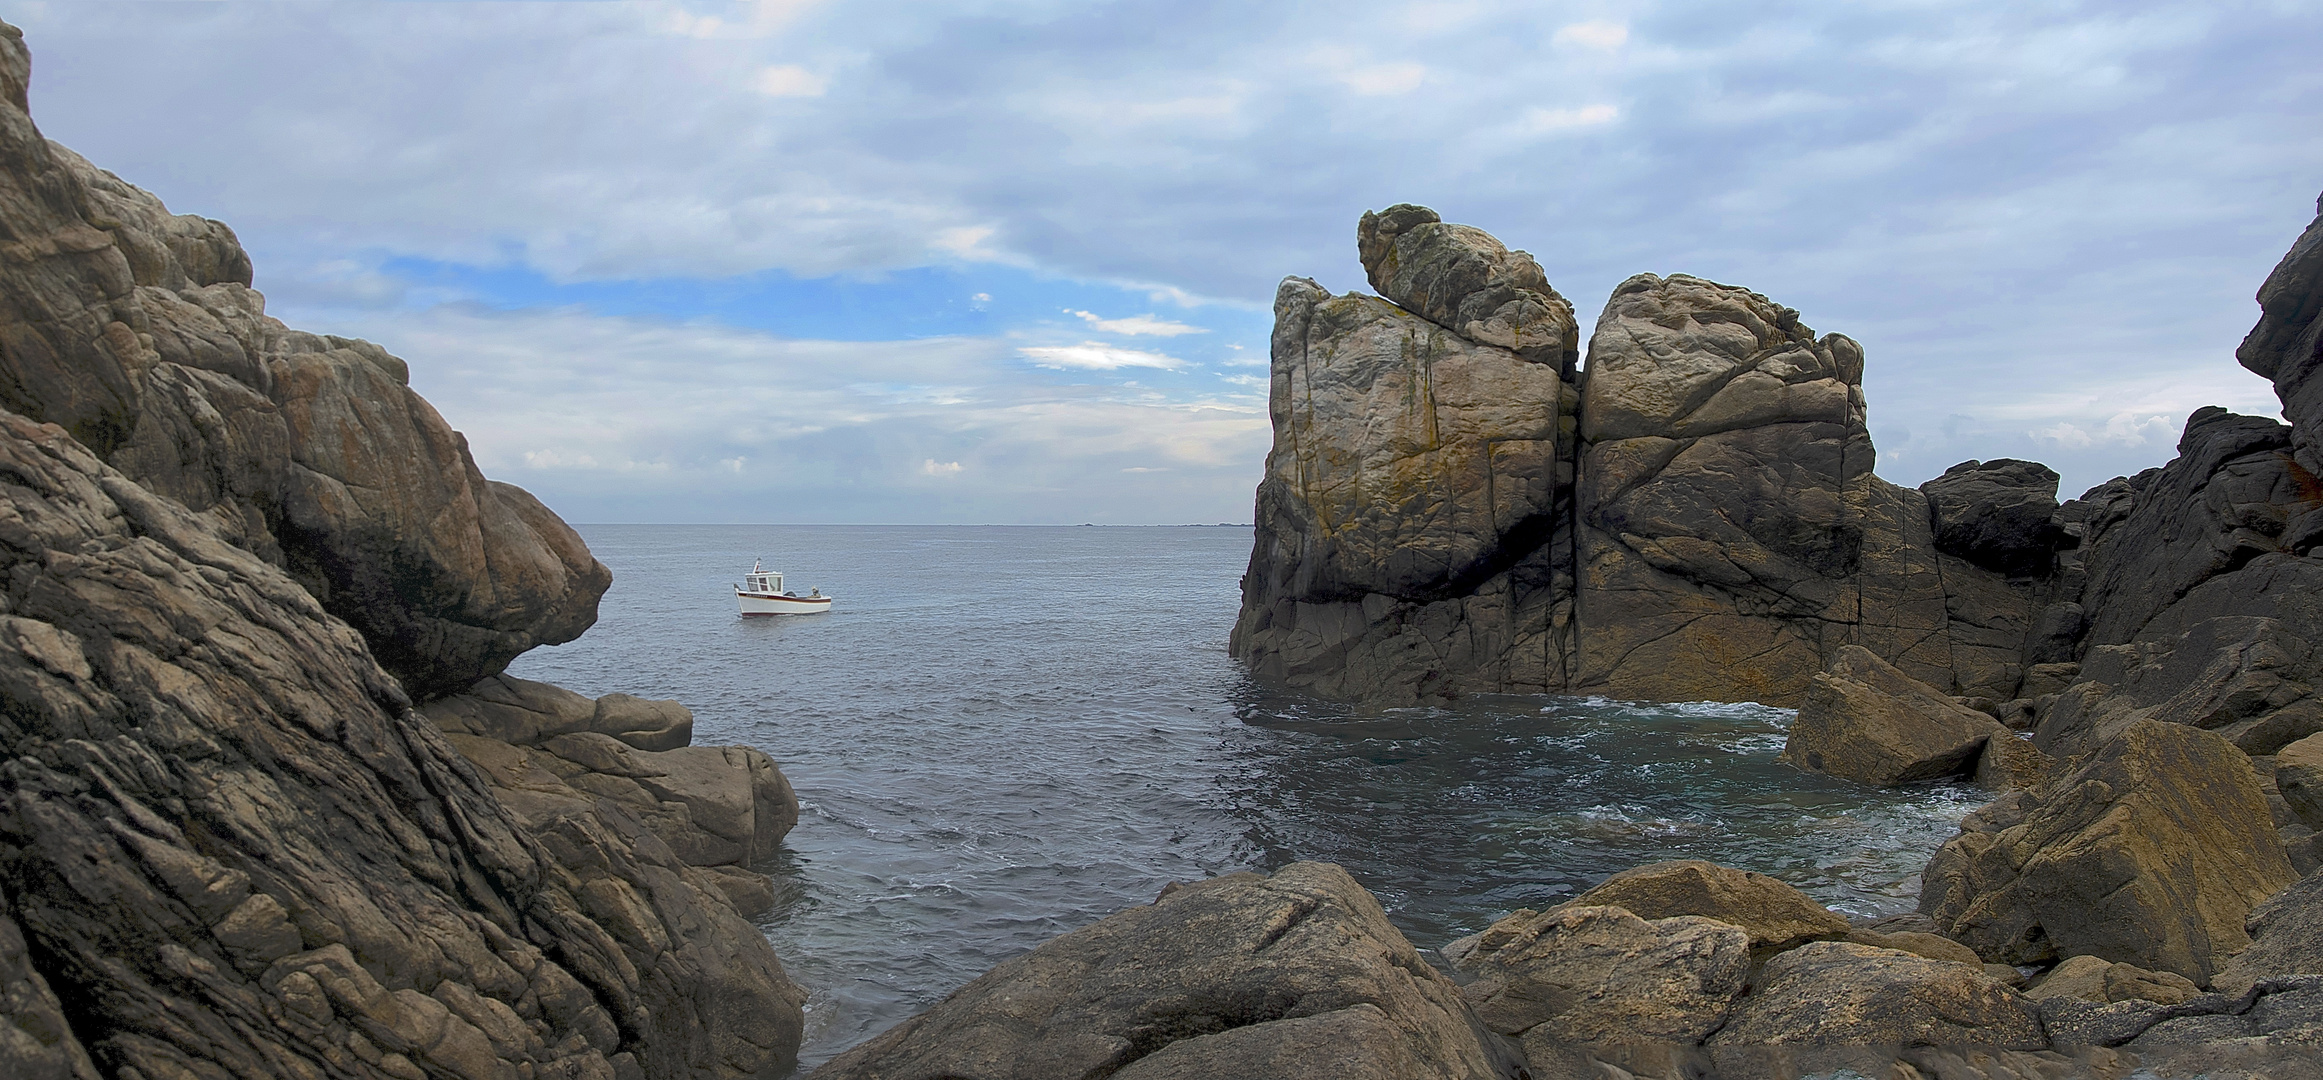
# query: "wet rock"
2091 978
1223 968
1866 721
1774 914
1836 992
1601 974
216 806
2150 851
1997 514
136 331
1463 280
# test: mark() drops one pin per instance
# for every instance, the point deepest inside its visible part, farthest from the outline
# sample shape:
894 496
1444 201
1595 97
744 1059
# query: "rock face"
231 848
1285 975
1841 993
2149 852
1601 974
1774 914
1447 508
2091 978
2286 939
1868 722
1998 514
137 332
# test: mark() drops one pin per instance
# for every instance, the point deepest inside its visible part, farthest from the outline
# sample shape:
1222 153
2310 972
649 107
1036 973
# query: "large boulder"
136 331
1409 523
1998 514
233 848
1866 721
528 713
2096 979
1589 974
2150 851
1774 914
1845 994
2286 933
1243 975
1462 279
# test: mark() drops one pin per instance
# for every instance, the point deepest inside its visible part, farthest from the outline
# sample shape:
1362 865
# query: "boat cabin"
763 582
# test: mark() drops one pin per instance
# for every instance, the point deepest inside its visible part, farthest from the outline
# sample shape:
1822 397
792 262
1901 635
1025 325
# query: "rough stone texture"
2092 978
232 849
713 806
1774 914
2286 347
2299 777
1997 514
1211 975
136 331
529 713
1917 943
36 1041
2273 1029
2150 851
1601 974
1435 520
1409 528
2286 934
1460 278
1838 992
1866 721
2010 762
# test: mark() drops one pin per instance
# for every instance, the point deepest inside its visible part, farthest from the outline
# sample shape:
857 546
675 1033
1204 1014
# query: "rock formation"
1451 507
234 554
1863 720
137 332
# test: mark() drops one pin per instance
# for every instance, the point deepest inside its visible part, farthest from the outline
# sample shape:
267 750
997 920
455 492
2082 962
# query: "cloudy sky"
1011 260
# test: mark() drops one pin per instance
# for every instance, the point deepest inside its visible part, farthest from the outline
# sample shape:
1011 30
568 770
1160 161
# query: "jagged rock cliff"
231 555
1450 506
136 331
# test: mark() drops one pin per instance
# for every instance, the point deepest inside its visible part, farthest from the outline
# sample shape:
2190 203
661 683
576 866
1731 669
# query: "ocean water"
1000 734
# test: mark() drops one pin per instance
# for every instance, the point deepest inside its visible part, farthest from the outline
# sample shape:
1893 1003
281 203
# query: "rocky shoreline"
270 806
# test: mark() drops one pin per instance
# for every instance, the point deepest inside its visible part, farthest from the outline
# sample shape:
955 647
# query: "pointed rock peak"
1463 280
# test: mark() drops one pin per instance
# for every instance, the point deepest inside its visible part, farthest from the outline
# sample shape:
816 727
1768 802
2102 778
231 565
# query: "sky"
1012 261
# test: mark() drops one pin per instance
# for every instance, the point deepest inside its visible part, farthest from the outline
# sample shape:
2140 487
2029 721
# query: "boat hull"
758 604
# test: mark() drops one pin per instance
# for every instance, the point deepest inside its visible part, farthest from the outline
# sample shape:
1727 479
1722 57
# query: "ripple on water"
1002 734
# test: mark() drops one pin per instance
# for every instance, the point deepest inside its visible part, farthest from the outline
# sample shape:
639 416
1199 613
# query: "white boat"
761 593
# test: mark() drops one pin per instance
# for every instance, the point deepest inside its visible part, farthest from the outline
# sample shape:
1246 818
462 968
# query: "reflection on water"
1001 734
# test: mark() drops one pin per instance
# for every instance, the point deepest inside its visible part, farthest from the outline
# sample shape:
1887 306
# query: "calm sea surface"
1003 733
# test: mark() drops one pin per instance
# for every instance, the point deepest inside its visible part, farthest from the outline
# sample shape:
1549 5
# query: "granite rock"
1866 721
1217 976
2286 932
2149 851
1774 914
1462 279
136 331
2092 978
1997 514
1842 993
1602 975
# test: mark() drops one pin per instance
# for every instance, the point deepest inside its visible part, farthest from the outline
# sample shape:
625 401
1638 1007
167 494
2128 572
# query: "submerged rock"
1287 975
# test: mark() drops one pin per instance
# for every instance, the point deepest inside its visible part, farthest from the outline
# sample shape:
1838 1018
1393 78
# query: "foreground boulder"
1839 992
230 845
2091 978
1866 721
2149 852
1585 974
1296 974
1774 914
137 332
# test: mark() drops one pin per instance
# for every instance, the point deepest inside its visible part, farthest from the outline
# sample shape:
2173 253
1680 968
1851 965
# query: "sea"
1000 734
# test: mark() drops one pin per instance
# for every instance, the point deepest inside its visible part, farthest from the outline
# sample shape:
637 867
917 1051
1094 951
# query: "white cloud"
967 242
1136 325
1598 34
1379 79
2120 429
932 467
982 298
1541 121
1096 356
789 80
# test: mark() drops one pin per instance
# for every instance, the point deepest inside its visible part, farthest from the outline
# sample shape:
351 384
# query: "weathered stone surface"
2010 761
2272 1029
1463 280
36 1040
1837 992
1917 943
1408 528
529 713
2286 347
1601 974
2299 776
713 806
2092 978
2150 851
2286 932
1773 913
229 842
137 332
1997 514
1866 721
1211 974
